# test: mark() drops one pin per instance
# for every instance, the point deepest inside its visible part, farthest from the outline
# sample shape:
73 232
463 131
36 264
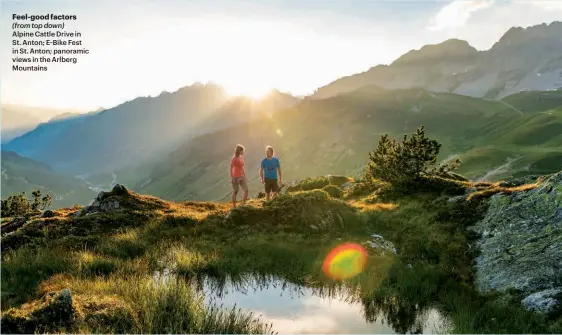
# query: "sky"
142 47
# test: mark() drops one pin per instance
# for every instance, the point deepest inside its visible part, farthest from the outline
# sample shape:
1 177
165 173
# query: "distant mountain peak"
517 35
451 48
63 116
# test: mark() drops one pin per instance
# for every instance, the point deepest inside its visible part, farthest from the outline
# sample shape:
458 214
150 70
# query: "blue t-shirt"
270 167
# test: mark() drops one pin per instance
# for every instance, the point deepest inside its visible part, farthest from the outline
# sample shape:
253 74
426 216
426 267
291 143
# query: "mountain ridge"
136 130
512 64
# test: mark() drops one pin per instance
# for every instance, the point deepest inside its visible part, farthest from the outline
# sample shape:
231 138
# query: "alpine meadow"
419 196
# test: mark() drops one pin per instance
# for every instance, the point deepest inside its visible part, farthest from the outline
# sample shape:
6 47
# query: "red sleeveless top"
237 166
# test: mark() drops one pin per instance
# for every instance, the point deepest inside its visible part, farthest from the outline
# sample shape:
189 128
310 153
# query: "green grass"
114 290
333 190
432 239
535 101
133 305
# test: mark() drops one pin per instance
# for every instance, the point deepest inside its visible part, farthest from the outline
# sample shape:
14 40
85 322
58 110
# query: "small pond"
295 309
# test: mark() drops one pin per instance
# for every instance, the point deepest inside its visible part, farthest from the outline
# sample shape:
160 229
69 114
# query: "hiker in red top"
238 175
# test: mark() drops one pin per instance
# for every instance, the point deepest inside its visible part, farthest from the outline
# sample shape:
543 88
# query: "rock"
54 312
108 206
456 198
521 241
313 227
546 301
106 201
348 185
102 195
470 190
379 243
48 214
119 190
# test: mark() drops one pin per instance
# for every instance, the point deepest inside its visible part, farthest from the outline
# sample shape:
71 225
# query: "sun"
251 90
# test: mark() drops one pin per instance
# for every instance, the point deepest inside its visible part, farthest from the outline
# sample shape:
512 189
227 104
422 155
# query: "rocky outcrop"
545 301
521 245
379 244
105 201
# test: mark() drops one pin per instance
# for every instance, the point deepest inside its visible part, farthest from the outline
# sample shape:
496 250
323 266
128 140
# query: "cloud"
456 13
549 5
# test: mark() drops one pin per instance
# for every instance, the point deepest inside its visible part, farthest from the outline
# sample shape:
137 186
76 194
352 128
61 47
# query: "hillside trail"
500 169
510 106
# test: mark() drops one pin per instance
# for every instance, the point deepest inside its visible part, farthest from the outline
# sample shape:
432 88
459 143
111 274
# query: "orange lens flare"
345 261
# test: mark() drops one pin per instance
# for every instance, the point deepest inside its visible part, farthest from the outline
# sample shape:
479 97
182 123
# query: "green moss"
333 191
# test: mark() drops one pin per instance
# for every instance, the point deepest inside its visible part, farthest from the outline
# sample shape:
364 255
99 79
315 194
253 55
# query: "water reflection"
296 309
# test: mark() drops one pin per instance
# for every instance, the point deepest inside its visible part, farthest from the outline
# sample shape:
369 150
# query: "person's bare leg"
245 196
234 195
274 193
267 196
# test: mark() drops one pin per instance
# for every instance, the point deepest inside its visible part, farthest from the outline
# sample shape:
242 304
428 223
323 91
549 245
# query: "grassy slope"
534 140
334 136
535 101
99 260
20 174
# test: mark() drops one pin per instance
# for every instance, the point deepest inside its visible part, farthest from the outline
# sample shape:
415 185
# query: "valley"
142 236
334 136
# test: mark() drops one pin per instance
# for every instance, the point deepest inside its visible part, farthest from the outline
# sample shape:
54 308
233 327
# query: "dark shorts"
270 185
237 182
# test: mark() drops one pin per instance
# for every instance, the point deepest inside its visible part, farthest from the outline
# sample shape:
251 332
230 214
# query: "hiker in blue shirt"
268 173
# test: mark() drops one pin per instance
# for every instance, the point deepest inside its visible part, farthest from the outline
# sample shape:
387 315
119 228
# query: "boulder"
105 201
48 214
119 190
379 244
521 243
547 301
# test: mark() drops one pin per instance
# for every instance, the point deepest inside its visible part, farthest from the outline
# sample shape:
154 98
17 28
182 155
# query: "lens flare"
345 261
